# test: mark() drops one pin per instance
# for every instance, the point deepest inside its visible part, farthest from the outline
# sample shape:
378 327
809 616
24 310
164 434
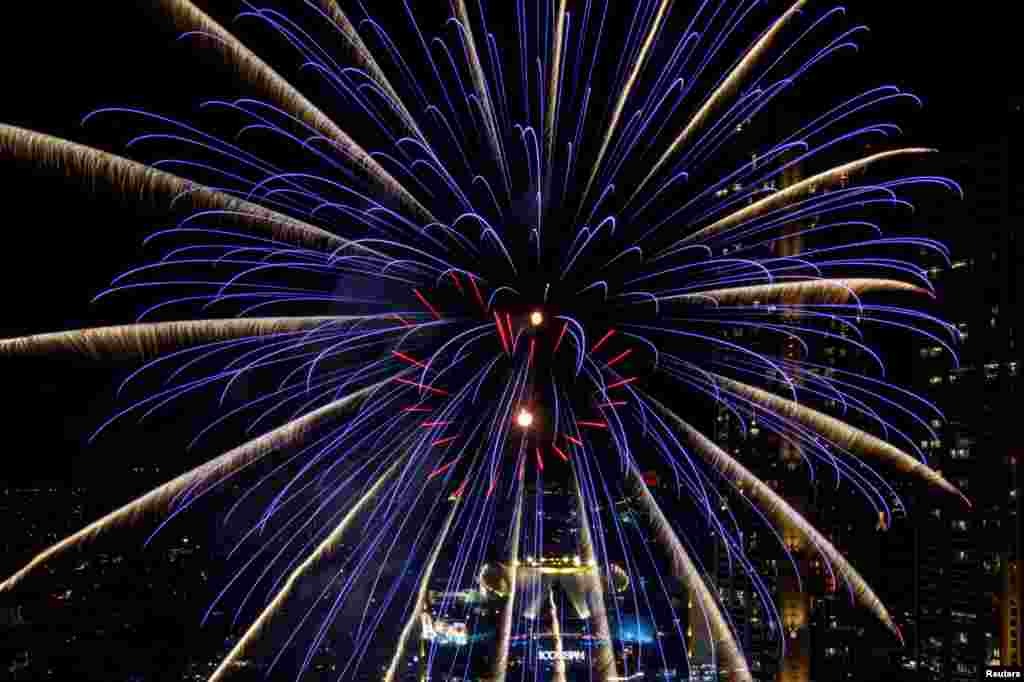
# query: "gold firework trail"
593 586
686 572
322 552
851 439
780 512
132 178
148 340
729 87
620 103
421 596
255 72
505 626
161 500
811 291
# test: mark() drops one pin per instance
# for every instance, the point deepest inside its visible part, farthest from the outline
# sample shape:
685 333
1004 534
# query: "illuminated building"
1009 614
555 623
945 571
957 603
821 638
95 617
775 462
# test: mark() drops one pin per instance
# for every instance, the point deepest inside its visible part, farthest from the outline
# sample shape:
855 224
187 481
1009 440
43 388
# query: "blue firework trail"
534 233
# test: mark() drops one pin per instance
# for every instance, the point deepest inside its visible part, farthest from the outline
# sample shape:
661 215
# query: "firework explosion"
516 260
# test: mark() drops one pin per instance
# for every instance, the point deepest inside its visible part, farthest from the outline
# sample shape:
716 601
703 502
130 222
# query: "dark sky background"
62 244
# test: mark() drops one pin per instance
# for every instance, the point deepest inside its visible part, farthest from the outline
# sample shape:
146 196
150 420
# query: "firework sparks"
161 500
523 253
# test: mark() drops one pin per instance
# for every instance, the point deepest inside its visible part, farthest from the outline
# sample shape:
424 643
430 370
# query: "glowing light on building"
561 656
443 632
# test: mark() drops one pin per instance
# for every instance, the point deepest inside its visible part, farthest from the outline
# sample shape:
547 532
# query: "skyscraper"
949 575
